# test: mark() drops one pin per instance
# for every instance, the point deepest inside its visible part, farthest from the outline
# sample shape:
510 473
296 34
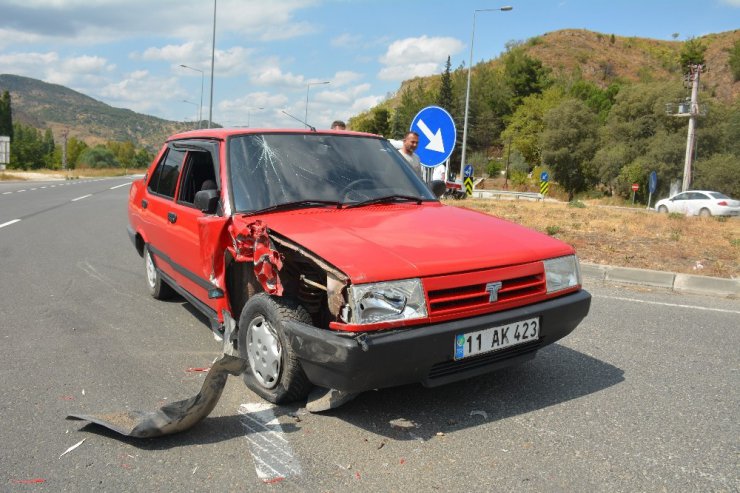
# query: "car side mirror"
207 201
438 188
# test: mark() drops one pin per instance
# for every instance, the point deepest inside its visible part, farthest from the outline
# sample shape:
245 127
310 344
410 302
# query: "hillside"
627 59
59 108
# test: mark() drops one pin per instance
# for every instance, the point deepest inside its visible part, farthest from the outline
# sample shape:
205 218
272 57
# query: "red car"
326 261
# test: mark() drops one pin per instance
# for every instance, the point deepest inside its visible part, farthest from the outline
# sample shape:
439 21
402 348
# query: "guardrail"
498 194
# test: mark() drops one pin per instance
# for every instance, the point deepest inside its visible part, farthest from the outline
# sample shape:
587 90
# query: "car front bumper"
425 354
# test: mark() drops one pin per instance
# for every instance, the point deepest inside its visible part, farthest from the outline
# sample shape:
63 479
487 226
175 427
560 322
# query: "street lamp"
194 104
200 108
467 92
213 58
249 110
308 86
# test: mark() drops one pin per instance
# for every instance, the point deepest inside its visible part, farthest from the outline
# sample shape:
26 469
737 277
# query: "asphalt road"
643 396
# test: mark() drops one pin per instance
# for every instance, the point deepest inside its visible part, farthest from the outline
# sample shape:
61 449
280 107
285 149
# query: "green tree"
381 121
524 75
734 61
6 115
123 151
98 157
28 149
143 158
444 98
718 172
692 53
569 143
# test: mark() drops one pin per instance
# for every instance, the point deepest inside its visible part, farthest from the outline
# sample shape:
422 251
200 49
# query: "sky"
327 59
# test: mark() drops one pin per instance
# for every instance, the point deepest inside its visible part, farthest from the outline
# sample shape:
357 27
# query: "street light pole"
308 86
467 91
202 77
249 111
213 56
194 104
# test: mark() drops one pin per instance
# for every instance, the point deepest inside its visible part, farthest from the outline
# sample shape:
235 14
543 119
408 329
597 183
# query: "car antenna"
313 129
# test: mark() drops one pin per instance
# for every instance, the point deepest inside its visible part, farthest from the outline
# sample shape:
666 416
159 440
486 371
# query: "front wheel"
158 288
704 212
663 209
274 372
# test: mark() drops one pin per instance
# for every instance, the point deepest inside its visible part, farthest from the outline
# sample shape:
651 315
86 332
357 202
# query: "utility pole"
694 74
64 149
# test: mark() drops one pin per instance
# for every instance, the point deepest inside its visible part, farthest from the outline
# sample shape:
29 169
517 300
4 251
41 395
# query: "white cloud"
416 57
143 92
274 76
731 3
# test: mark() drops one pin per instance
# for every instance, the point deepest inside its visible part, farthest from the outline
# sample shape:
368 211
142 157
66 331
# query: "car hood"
387 242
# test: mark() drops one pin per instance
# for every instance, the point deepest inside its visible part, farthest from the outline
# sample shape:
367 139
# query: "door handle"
171 217
144 203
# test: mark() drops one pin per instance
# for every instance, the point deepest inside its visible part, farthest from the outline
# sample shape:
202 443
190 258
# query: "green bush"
553 230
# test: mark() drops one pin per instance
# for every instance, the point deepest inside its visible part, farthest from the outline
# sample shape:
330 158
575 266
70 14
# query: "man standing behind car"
408 151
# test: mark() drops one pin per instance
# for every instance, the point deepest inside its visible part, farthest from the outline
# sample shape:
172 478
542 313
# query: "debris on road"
70 449
29 481
402 424
322 399
174 417
482 414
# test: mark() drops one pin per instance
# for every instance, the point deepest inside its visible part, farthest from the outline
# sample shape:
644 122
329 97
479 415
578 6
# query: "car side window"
681 196
199 174
164 177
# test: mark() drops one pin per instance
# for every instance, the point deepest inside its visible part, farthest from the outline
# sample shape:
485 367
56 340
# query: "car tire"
158 288
704 212
663 209
273 371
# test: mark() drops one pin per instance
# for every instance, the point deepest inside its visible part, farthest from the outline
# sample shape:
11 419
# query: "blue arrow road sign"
437 135
544 176
468 170
653 182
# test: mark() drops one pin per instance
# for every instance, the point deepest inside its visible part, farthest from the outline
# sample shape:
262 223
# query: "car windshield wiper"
298 204
385 199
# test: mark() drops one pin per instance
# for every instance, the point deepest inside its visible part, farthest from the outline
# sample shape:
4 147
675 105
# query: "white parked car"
701 203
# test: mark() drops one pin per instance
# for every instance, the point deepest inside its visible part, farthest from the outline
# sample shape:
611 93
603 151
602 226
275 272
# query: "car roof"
223 133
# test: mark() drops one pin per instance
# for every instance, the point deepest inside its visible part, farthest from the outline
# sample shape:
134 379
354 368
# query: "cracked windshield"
273 170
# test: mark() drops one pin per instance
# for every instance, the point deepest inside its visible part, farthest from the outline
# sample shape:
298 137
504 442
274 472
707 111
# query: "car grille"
520 285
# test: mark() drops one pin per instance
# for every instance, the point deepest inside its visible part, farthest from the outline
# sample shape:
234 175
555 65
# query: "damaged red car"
325 261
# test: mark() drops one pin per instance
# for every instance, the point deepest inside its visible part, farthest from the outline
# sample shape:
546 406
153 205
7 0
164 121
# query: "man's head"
410 142
338 125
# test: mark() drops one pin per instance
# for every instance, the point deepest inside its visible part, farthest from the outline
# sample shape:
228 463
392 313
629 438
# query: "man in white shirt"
440 172
407 150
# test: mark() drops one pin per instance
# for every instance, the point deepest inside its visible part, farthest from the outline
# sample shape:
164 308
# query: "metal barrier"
498 194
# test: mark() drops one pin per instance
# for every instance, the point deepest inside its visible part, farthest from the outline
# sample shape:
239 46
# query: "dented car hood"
401 241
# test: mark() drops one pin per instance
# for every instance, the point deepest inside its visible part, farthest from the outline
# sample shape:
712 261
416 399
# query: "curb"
682 283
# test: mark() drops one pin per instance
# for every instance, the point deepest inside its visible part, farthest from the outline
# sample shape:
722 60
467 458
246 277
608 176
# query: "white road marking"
119 186
271 452
83 197
9 223
19 191
721 310
6 193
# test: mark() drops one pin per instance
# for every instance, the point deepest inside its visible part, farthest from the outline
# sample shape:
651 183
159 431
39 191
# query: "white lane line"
7 193
19 191
9 223
271 452
721 310
83 197
119 186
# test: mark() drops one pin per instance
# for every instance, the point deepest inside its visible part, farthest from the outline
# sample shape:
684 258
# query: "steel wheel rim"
264 352
151 271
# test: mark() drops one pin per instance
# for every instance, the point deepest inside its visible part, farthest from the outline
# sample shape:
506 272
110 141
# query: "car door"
194 268
680 203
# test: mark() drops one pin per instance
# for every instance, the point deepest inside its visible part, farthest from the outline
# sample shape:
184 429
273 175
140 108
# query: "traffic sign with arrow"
437 135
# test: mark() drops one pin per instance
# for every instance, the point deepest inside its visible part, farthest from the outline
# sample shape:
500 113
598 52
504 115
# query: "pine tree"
6 117
444 98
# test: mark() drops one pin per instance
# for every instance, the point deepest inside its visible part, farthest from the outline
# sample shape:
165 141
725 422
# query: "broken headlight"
387 301
562 273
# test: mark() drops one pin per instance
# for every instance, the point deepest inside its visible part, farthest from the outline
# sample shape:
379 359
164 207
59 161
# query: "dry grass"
630 237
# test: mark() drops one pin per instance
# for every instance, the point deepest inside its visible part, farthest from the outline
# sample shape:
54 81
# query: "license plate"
495 338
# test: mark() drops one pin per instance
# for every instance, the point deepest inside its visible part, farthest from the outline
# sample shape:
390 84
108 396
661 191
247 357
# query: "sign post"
4 152
468 180
635 187
652 185
544 184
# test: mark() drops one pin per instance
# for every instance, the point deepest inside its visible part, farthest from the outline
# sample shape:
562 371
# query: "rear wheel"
663 209
274 372
704 212
158 288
